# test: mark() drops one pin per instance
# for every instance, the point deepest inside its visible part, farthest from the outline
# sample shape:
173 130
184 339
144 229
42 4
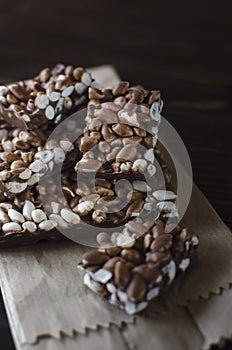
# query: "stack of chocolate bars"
113 178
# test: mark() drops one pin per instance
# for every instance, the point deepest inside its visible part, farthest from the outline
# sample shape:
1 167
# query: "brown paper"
213 317
106 75
168 330
44 294
42 283
110 339
156 328
213 268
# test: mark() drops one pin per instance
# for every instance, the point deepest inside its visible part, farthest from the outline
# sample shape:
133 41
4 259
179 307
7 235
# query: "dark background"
182 47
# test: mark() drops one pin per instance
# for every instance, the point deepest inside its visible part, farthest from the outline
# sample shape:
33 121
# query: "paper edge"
226 286
74 331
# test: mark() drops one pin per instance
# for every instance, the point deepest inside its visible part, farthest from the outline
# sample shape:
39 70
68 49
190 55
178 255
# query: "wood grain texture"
182 47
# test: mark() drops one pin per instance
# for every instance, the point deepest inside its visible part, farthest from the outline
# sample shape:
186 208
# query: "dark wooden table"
183 48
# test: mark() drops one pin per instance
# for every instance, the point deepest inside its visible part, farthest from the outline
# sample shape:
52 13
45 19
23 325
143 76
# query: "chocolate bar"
45 100
132 269
121 131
